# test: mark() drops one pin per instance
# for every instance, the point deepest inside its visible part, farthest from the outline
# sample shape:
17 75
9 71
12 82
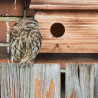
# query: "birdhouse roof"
64 4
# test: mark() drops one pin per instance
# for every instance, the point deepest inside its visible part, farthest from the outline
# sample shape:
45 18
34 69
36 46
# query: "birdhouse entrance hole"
57 30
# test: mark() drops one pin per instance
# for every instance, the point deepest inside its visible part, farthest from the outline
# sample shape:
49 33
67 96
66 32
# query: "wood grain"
39 81
81 31
46 81
80 80
15 81
64 4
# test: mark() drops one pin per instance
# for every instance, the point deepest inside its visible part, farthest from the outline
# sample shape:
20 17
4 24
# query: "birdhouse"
67 26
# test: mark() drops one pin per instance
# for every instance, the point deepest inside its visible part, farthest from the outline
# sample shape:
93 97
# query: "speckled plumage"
25 41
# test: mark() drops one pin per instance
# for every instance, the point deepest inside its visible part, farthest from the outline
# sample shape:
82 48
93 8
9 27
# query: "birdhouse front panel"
68 31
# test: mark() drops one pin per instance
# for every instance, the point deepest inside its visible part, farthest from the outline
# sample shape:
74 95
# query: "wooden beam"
65 7
64 4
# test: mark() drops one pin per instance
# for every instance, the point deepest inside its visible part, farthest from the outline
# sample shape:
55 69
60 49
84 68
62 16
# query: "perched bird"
25 41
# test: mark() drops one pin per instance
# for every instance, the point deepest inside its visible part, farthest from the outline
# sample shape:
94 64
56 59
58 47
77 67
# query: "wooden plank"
80 80
15 81
87 80
81 31
39 81
52 75
64 4
96 80
46 81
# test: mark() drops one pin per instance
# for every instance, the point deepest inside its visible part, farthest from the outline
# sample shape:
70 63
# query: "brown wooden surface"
81 31
64 4
10 8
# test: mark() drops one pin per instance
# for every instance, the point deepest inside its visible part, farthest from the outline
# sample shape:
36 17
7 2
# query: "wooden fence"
43 81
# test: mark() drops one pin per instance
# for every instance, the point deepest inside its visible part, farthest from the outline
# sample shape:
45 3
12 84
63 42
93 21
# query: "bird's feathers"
25 40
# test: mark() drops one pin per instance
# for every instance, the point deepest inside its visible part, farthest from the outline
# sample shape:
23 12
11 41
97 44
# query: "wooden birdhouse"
67 26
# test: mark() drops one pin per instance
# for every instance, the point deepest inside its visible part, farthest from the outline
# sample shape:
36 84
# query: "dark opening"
62 85
57 30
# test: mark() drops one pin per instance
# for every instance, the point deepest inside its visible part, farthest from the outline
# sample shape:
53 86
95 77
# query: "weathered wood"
39 81
81 31
46 81
96 80
80 80
64 4
15 81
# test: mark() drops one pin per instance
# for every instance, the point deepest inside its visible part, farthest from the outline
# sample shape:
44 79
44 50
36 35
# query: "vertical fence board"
72 81
80 81
52 81
46 81
87 81
25 82
96 80
39 81
15 81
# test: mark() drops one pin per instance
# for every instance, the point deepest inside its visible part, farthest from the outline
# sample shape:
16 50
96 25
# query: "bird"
25 41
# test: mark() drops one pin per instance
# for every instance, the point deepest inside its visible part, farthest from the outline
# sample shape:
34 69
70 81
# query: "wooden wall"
43 81
9 14
39 81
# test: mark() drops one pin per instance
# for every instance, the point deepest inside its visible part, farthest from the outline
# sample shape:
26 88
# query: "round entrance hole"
57 30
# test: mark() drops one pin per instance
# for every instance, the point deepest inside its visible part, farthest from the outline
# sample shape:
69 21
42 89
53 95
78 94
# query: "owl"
25 41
